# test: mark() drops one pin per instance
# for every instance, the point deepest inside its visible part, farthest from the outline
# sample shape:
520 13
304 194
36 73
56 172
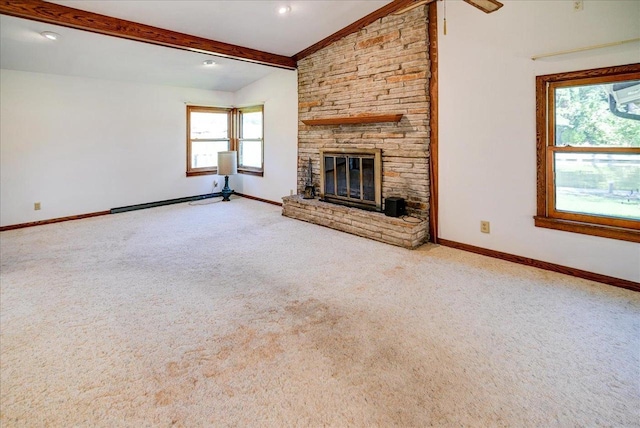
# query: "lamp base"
226 191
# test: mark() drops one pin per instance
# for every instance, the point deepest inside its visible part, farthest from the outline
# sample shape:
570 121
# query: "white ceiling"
248 23
83 54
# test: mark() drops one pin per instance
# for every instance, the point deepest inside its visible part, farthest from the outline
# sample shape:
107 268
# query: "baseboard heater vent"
161 203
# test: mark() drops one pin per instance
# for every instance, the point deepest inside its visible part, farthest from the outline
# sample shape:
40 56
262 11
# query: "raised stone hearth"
409 232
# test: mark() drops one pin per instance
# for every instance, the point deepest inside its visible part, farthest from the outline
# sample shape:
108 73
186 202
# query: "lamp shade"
227 163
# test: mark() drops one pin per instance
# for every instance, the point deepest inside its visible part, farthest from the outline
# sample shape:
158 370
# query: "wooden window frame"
234 131
239 139
547 215
206 170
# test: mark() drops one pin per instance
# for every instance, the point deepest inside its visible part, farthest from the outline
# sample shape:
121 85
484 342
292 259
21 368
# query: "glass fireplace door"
351 178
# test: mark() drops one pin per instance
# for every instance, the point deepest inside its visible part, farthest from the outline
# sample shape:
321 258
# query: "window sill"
620 233
257 173
240 171
197 173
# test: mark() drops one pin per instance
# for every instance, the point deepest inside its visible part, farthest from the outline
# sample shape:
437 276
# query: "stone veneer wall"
381 69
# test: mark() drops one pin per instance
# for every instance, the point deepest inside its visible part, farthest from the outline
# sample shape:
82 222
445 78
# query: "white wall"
279 93
487 147
85 145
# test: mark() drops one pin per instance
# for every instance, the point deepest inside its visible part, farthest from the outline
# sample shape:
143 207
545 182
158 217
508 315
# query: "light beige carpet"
228 314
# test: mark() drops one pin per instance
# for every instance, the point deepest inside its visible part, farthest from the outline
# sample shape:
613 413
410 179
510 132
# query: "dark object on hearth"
395 207
309 190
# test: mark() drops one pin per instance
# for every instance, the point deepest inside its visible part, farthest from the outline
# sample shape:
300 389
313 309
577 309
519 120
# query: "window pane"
603 115
251 153
252 125
209 125
204 154
598 184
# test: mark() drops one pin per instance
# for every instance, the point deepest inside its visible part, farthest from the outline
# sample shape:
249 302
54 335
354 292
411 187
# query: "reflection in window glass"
329 185
209 125
368 180
204 154
252 125
598 184
251 153
341 175
354 178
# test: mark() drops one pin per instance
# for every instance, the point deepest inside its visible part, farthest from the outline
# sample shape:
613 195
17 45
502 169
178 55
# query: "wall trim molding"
255 198
130 208
53 220
609 280
111 211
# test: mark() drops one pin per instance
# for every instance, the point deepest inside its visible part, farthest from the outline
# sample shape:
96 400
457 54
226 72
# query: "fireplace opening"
352 177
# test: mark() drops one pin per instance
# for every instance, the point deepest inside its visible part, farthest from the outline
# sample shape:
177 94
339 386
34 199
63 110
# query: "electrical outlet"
290 192
578 5
484 227
36 206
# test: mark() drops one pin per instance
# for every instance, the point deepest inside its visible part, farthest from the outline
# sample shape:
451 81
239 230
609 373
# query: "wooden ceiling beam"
394 6
38 10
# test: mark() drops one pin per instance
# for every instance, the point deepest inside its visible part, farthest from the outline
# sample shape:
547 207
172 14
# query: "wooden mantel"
354 120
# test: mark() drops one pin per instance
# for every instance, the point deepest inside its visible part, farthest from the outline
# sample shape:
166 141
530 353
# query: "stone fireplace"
364 113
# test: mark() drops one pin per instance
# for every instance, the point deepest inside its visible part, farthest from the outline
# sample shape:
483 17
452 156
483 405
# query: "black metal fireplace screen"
352 177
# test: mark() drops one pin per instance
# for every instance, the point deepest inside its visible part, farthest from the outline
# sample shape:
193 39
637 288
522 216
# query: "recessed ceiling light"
284 9
209 62
50 35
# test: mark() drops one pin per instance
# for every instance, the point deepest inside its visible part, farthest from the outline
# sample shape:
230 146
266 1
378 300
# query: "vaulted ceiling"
252 24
